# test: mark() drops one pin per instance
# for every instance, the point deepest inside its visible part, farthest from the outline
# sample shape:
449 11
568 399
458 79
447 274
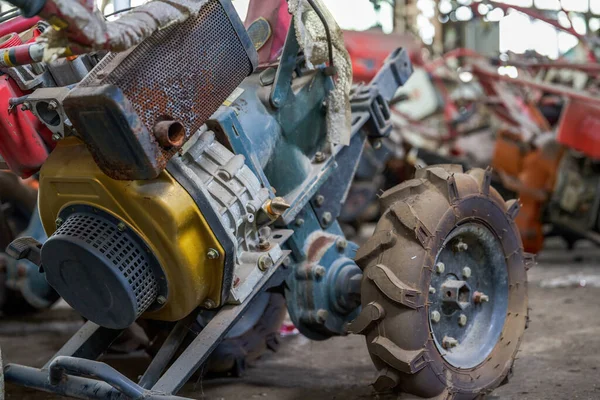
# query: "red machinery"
24 141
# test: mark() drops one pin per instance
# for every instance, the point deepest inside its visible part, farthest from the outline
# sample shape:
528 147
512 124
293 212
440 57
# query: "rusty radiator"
181 74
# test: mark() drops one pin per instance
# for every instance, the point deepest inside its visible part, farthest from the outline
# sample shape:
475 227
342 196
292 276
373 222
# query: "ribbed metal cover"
101 271
184 72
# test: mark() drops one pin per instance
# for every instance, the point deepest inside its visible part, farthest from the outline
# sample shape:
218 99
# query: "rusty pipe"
170 134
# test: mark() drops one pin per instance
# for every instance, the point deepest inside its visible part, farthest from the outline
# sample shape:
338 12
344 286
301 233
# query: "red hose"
10 40
18 24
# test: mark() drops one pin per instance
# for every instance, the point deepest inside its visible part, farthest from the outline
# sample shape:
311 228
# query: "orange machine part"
535 182
509 153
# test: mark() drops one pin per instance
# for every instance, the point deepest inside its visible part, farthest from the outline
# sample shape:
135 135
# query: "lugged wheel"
444 292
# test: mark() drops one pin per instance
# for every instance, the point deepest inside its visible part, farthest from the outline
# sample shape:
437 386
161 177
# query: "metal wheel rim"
464 326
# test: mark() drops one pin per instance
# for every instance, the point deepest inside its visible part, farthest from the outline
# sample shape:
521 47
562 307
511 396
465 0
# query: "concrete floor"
560 357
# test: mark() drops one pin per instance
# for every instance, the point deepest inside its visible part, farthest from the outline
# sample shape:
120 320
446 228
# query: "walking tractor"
198 167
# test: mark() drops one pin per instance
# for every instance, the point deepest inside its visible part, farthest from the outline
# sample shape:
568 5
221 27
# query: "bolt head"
319 200
26 106
59 221
436 316
449 342
461 246
440 268
265 262
322 315
320 157
327 218
56 137
466 272
377 144
208 303
212 254
299 222
432 290
121 226
161 300
480 297
319 271
462 320
341 244
52 105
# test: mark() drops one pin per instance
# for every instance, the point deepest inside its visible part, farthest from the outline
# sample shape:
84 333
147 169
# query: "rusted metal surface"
170 134
161 82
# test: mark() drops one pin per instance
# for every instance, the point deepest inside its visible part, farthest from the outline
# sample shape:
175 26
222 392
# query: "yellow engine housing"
160 211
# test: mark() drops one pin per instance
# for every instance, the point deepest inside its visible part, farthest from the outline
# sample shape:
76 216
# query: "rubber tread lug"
408 362
392 287
400 192
408 217
379 241
387 380
512 208
370 314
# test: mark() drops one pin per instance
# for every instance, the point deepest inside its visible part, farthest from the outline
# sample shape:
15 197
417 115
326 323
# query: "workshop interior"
299 199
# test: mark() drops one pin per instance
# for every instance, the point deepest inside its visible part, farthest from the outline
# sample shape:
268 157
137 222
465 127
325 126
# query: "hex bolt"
319 200
212 254
161 300
432 290
263 244
480 297
208 303
462 320
440 268
435 316
449 342
56 137
265 262
341 244
322 315
26 106
59 221
327 218
377 144
319 271
299 222
52 105
461 246
320 157
121 226
466 272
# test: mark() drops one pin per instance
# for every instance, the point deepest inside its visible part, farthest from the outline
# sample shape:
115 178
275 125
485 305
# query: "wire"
119 11
327 31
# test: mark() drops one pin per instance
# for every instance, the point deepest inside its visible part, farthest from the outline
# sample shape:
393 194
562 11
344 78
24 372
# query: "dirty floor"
560 357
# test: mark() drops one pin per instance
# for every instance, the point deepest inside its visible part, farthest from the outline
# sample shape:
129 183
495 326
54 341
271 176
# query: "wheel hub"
468 295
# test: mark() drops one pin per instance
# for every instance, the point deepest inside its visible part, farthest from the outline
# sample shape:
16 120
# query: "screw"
121 226
327 217
52 105
319 200
212 254
462 319
322 315
26 106
161 300
56 137
341 244
377 144
299 222
436 316
59 221
265 262
208 303
466 272
449 342
319 271
480 297
440 268
320 157
432 290
461 246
